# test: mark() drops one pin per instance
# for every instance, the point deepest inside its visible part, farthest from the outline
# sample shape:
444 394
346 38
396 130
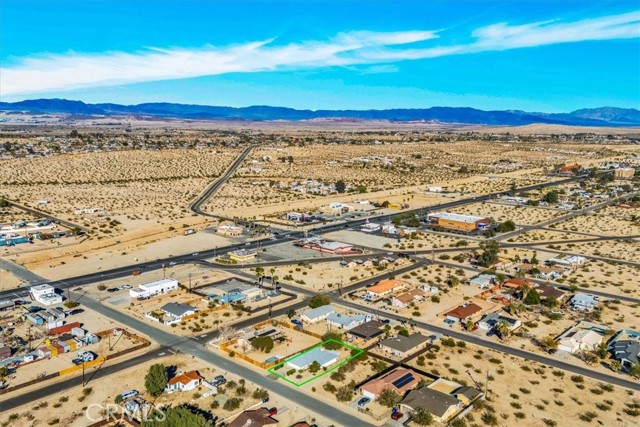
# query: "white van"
129 394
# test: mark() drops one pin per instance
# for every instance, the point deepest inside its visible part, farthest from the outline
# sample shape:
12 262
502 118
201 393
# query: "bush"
489 418
263 344
344 394
318 301
232 404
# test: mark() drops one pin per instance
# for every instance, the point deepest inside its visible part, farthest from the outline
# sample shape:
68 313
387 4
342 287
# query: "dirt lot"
70 404
540 392
501 212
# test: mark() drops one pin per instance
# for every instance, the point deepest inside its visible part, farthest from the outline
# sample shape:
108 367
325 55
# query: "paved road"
46 391
196 205
41 214
19 271
508 350
195 348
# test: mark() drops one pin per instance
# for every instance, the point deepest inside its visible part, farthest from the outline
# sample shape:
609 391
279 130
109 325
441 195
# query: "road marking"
162 354
203 335
171 351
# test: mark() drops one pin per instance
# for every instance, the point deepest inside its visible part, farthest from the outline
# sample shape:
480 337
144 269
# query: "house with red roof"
184 382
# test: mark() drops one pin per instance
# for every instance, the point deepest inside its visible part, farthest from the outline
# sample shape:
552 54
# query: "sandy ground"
8 280
70 411
501 212
539 393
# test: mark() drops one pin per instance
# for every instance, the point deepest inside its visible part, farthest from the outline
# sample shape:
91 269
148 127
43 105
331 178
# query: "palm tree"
503 328
469 325
615 365
515 308
548 343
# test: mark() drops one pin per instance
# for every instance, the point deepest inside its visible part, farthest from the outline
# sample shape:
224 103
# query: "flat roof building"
459 222
324 357
45 294
156 287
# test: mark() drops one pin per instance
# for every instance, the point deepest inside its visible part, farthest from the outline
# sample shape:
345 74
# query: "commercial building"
156 287
45 295
458 222
318 244
624 173
370 227
230 230
243 255
336 208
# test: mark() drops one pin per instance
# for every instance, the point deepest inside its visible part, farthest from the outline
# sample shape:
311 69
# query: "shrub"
232 404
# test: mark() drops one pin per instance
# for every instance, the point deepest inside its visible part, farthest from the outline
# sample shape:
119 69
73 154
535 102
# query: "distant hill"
605 116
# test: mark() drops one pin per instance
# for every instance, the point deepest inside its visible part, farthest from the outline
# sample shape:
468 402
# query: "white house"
184 382
370 227
580 339
317 314
175 312
45 294
345 321
583 302
323 357
157 287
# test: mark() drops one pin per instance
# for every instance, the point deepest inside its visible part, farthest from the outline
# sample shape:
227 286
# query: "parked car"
129 394
363 402
113 289
397 415
126 287
219 380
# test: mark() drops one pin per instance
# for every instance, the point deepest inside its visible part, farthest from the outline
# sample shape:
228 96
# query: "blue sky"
534 55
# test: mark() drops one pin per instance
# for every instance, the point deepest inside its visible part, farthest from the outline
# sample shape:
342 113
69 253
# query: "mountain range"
604 116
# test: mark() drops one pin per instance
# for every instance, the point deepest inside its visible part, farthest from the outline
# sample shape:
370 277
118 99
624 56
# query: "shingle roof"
433 401
385 285
185 378
404 344
177 309
464 311
255 418
377 385
627 349
321 311
368 330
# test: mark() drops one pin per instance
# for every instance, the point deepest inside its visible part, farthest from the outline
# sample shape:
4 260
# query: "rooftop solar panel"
403 381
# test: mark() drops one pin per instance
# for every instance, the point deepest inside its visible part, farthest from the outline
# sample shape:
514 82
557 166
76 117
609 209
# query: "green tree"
4 372
422 417
507 226
341 187
156 379
615 365
489 255
503 328
389 398
532 298
179 416
263 344
332 337
548 343
3 203
318 301
291 313
232 404
551 197
314 367
634 370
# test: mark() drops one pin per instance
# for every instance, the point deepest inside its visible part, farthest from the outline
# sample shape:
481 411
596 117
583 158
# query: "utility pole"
189 282
83 382
486 385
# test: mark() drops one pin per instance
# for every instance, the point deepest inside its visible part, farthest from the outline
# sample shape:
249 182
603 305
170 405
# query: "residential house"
347 321
383 288
484 281
184 382
175 312
574 340
400 380
442 406
324 357
466 394
490 321
254 418
367 331
317 314
463 312
550 292
583 302
517 283
406 299
625 346
401 346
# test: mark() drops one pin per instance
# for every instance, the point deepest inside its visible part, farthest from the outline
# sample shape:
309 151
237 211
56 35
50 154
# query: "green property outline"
315 377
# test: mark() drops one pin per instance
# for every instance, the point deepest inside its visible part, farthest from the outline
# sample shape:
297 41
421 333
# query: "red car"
273 411
397 415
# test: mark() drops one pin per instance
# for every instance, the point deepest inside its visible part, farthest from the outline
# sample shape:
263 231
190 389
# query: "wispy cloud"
73 70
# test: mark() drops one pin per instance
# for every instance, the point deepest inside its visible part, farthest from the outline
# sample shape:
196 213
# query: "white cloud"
73 70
